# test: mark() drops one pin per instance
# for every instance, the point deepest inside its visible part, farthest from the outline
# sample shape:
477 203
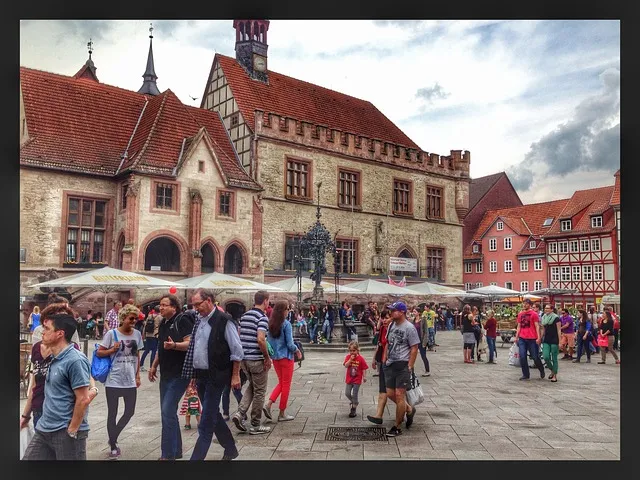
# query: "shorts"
382 385
397 375
567 339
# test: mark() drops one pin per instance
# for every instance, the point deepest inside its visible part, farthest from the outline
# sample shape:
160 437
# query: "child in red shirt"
356 366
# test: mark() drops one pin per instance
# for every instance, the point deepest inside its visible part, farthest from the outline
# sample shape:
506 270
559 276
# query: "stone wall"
285 216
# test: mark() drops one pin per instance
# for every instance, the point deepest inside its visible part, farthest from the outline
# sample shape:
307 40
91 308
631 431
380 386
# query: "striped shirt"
252 321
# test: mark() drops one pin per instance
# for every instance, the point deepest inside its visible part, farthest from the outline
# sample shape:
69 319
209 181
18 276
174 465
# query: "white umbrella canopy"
374 287
427 288
222 281
290 285
495 291
107 280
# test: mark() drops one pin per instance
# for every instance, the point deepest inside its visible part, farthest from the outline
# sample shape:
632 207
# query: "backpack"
101 366
150 325
189 314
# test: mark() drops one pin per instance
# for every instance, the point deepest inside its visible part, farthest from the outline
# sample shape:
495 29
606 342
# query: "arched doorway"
406 254
164 253
233 263
208 259
119 254
235 309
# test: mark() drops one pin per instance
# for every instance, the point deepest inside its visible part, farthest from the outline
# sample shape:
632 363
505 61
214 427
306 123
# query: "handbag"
26 434
415 395
603 341
101 366
514 355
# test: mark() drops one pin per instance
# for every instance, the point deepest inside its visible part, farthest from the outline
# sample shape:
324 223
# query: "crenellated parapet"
272 125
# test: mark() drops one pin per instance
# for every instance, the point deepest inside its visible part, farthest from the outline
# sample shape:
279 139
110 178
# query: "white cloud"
509 83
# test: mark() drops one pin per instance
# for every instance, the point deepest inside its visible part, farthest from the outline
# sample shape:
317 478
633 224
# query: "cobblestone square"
471 412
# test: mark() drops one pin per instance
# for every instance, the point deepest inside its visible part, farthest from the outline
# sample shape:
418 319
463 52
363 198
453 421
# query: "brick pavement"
471 412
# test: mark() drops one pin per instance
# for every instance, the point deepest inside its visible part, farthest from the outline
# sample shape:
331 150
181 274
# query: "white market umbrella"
222 281
494 292
107 280
290 285
427 288
374 287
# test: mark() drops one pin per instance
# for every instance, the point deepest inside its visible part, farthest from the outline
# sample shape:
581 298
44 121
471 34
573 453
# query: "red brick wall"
501 195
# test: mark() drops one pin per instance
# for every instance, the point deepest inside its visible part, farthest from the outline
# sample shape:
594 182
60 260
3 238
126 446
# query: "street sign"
400 264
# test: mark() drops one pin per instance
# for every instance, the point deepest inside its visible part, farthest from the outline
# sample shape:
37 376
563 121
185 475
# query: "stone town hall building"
140 181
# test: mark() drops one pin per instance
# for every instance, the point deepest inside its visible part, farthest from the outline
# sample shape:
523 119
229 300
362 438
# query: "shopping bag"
101 366
415 395
26 434
603 341
514 355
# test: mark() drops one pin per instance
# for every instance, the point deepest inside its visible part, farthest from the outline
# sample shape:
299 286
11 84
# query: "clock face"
259 63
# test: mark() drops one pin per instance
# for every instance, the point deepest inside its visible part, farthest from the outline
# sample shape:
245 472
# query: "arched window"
164 253
208 259
233 260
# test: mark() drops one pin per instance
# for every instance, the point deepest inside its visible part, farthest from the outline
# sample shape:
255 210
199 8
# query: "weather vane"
90 47
151 30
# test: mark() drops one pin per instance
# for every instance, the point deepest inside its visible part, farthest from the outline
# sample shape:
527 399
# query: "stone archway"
235 308
208 258
233 260
162 252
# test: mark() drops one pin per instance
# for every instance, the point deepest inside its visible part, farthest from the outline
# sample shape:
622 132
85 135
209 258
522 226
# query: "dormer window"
547 222
476 249
596 222
565 225
499 226
532 244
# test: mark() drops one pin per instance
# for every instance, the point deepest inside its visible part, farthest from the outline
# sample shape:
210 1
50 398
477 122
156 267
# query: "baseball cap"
527 300
398 306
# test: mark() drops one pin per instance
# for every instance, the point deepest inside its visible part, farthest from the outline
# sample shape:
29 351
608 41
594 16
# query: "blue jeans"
171 392
226 398
150 345
326 331
432 336
423 355
313 333
36 417
211 421
530 345
449 324
583 346
491 343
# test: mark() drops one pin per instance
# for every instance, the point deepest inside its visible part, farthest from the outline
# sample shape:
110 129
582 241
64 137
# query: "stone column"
194 265
130 250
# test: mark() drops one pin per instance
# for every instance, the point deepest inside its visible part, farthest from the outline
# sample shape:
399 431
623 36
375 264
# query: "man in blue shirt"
61 433
213 359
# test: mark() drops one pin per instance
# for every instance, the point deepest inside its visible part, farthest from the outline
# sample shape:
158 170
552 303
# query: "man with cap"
398 359
528 339
61 432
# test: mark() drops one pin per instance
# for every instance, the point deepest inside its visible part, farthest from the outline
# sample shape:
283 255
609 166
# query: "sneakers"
285 418
376 420
225 417
524 378
352 413
588 360
238 422
394 432
428 374
115 453
259 430
601 363
410 416
187 427
267 413
577 360
142 369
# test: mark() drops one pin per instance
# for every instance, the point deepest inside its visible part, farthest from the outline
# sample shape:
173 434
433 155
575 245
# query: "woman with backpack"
280 337
150 333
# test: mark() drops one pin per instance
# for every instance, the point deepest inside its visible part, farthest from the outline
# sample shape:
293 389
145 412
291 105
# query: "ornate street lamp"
315 245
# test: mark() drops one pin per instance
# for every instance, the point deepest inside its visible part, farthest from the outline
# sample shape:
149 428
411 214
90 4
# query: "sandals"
554 379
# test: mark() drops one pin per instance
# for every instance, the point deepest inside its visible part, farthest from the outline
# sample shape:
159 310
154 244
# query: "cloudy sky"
538 99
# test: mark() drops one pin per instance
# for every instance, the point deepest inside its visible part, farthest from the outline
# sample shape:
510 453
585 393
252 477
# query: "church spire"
149 86
88 70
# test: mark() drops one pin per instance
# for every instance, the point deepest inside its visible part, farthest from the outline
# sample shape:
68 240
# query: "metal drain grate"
363 434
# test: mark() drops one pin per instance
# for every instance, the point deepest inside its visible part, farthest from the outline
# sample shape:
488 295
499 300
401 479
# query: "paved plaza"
471 412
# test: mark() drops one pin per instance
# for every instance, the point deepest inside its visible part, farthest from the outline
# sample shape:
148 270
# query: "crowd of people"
201 354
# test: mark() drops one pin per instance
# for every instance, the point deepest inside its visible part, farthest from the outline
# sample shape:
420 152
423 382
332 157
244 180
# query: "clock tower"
251 47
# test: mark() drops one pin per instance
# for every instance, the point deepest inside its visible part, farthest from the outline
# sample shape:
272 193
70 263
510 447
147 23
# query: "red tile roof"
615 196
539 249
587 203
295 98
524 220
479 187
76 124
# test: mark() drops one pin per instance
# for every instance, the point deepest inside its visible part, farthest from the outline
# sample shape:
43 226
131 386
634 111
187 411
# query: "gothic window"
349 188
435 263
434 202
298 179
162 254
402 203
347 256
86 225
208 259
233 263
